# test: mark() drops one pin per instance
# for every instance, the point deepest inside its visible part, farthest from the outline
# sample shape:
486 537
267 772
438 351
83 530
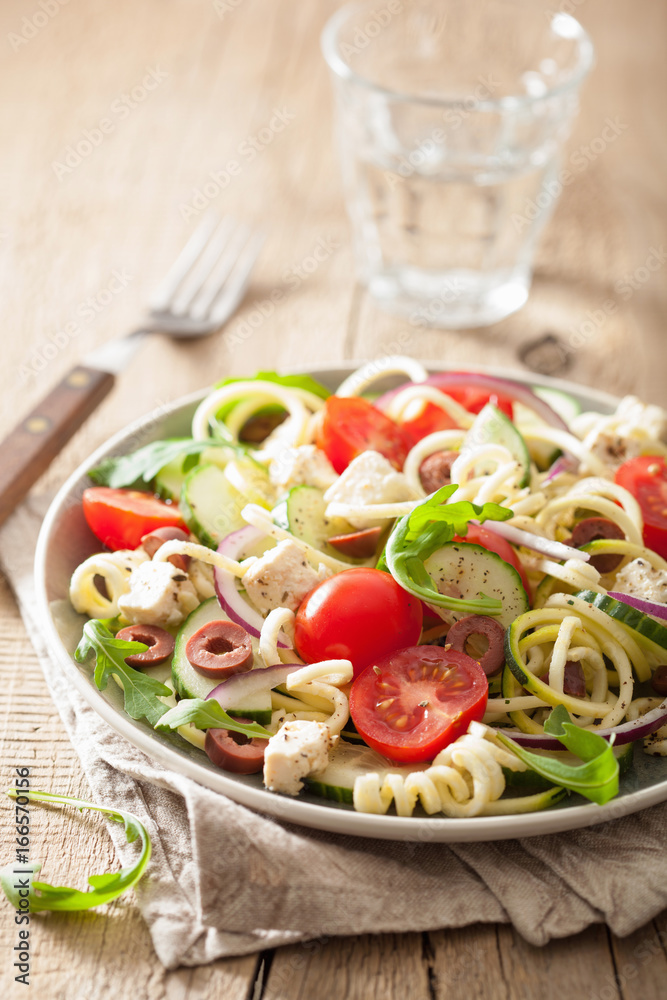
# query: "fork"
198 295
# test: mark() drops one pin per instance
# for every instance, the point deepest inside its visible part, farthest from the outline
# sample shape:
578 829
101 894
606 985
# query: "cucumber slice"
625 756
251 480
467 570
543 453
189 683
169 480
303 513
565 405
644 625
219 454
346 762
492 426
210 505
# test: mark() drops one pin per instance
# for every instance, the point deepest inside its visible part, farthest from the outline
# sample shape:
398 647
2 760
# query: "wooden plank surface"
186 85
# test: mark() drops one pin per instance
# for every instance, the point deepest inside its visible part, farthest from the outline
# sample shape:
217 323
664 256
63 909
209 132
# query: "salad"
449 598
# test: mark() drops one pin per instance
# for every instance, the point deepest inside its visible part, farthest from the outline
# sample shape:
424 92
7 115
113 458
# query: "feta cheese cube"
369 478
647 419
614 449
281 578
640 579
306 465
622 435
298 749
160 594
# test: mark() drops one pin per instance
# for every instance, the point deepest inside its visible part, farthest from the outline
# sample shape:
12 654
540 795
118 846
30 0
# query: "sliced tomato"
474 398
350 425
431 419
411 704
356 615
120 518
494 543
646 478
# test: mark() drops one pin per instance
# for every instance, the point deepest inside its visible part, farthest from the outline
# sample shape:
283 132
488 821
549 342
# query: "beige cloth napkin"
224 880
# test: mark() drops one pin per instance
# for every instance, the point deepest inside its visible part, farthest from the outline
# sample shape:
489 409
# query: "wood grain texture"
86 231
363 968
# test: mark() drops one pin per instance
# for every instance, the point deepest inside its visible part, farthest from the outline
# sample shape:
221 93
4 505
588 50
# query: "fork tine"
219 274
200 271
234 288
185 260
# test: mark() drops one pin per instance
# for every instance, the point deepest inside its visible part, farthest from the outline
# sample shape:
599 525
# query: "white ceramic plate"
65 541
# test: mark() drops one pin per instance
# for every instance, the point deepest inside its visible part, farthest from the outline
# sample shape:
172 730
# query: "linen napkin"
224 880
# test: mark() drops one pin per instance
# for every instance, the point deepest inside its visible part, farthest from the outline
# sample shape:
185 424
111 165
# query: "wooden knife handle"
31 447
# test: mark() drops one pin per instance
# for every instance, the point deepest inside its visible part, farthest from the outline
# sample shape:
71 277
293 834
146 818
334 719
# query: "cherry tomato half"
356 615
120 518
646 478
411 704
351 425
494 543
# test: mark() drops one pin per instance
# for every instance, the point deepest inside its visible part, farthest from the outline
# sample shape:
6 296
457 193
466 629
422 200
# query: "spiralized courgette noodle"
561 633
464 779
113 571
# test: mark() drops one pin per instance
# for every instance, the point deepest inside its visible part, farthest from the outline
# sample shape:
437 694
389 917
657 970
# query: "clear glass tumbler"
451 115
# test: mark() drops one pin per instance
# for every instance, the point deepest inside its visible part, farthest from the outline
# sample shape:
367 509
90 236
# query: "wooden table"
90 220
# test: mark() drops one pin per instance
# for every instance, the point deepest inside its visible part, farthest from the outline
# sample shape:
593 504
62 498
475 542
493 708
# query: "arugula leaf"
43 896
290 381
144 464
585 743
426 529
596 779
113 624
455 516
140 691
207 714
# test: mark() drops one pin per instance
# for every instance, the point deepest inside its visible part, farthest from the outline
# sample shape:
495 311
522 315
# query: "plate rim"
325 816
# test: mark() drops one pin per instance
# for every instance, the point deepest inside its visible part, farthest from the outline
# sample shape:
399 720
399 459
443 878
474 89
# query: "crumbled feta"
298 748
640 579
306 465
201 578
160 594
656 743
369 478
281 578
624 434
614 449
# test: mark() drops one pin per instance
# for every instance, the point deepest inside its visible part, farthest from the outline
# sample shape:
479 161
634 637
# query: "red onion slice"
516 390
236 546
545 546
646 607
564 463
627 732
231 693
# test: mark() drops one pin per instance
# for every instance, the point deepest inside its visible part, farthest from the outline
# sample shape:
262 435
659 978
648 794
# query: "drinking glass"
451 117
